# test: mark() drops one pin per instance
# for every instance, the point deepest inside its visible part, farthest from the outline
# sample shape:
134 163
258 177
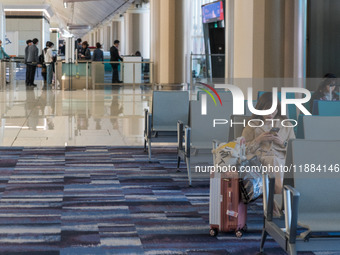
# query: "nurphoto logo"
239 98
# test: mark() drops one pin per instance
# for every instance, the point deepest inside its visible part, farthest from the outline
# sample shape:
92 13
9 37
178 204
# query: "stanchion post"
87 75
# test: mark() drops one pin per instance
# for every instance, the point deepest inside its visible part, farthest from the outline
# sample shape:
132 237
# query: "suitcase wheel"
213 232
239 233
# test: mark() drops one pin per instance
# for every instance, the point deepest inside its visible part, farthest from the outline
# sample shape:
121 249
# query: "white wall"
12 47
54 38
29 29
46 36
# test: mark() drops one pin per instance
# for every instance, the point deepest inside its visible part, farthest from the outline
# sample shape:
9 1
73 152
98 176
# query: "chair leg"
178 161
263 239
149 149
144 145
292 249
189 170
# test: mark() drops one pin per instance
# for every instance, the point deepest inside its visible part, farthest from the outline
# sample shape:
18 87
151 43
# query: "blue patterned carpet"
101 200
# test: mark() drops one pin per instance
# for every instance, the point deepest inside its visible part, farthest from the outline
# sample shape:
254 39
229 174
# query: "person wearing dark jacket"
98 54
114 53
85 53
32 61
29 43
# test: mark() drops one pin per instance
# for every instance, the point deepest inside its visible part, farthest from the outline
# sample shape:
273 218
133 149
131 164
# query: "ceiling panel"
78 12
85 12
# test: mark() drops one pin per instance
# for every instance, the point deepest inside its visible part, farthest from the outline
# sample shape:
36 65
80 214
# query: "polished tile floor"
112 116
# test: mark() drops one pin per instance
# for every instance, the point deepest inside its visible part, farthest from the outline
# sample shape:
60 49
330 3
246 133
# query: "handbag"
251 184
233 154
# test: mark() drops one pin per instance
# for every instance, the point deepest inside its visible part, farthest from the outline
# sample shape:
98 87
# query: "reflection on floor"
36 117
104 200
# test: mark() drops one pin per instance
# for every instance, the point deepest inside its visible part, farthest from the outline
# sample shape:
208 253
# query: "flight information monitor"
213 12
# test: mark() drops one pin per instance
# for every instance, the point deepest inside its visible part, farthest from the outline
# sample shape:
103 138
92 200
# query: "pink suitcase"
227 212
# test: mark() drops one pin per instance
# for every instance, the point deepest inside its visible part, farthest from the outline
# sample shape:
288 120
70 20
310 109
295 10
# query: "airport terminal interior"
117 155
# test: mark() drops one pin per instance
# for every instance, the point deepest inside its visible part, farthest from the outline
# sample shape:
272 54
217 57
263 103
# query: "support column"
137 27
107 43
167 40
118 33
92 39
300 40
289 38
2 23
269 40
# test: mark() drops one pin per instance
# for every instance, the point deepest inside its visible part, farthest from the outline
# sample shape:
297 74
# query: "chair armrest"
148 123
291 202
146 113
268 195
180 134
187 137
215 144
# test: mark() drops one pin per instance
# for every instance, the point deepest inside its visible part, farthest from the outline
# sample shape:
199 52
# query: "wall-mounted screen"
213 12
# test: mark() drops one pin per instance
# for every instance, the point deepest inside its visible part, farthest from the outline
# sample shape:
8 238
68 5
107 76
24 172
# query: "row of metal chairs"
310 203
174 118
168 107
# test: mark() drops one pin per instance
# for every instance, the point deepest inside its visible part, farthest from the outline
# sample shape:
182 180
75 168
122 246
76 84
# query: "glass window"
197 40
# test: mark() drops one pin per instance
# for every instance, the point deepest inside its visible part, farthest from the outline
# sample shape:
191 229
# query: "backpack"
41 59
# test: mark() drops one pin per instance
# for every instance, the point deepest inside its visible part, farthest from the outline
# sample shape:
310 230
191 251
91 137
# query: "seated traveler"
269 142
326 90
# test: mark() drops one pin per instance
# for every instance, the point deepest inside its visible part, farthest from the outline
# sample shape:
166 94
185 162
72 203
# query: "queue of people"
46 59
33 60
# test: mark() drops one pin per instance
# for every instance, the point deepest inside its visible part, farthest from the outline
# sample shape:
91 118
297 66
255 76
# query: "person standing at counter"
29 43
85 53
3 54
114 53
32 61
48 55
98 54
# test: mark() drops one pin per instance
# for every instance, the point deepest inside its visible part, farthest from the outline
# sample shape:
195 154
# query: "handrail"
3 66
208 55
108 62
129 72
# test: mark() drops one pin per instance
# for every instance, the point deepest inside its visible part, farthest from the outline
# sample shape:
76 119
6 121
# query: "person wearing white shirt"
48 56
